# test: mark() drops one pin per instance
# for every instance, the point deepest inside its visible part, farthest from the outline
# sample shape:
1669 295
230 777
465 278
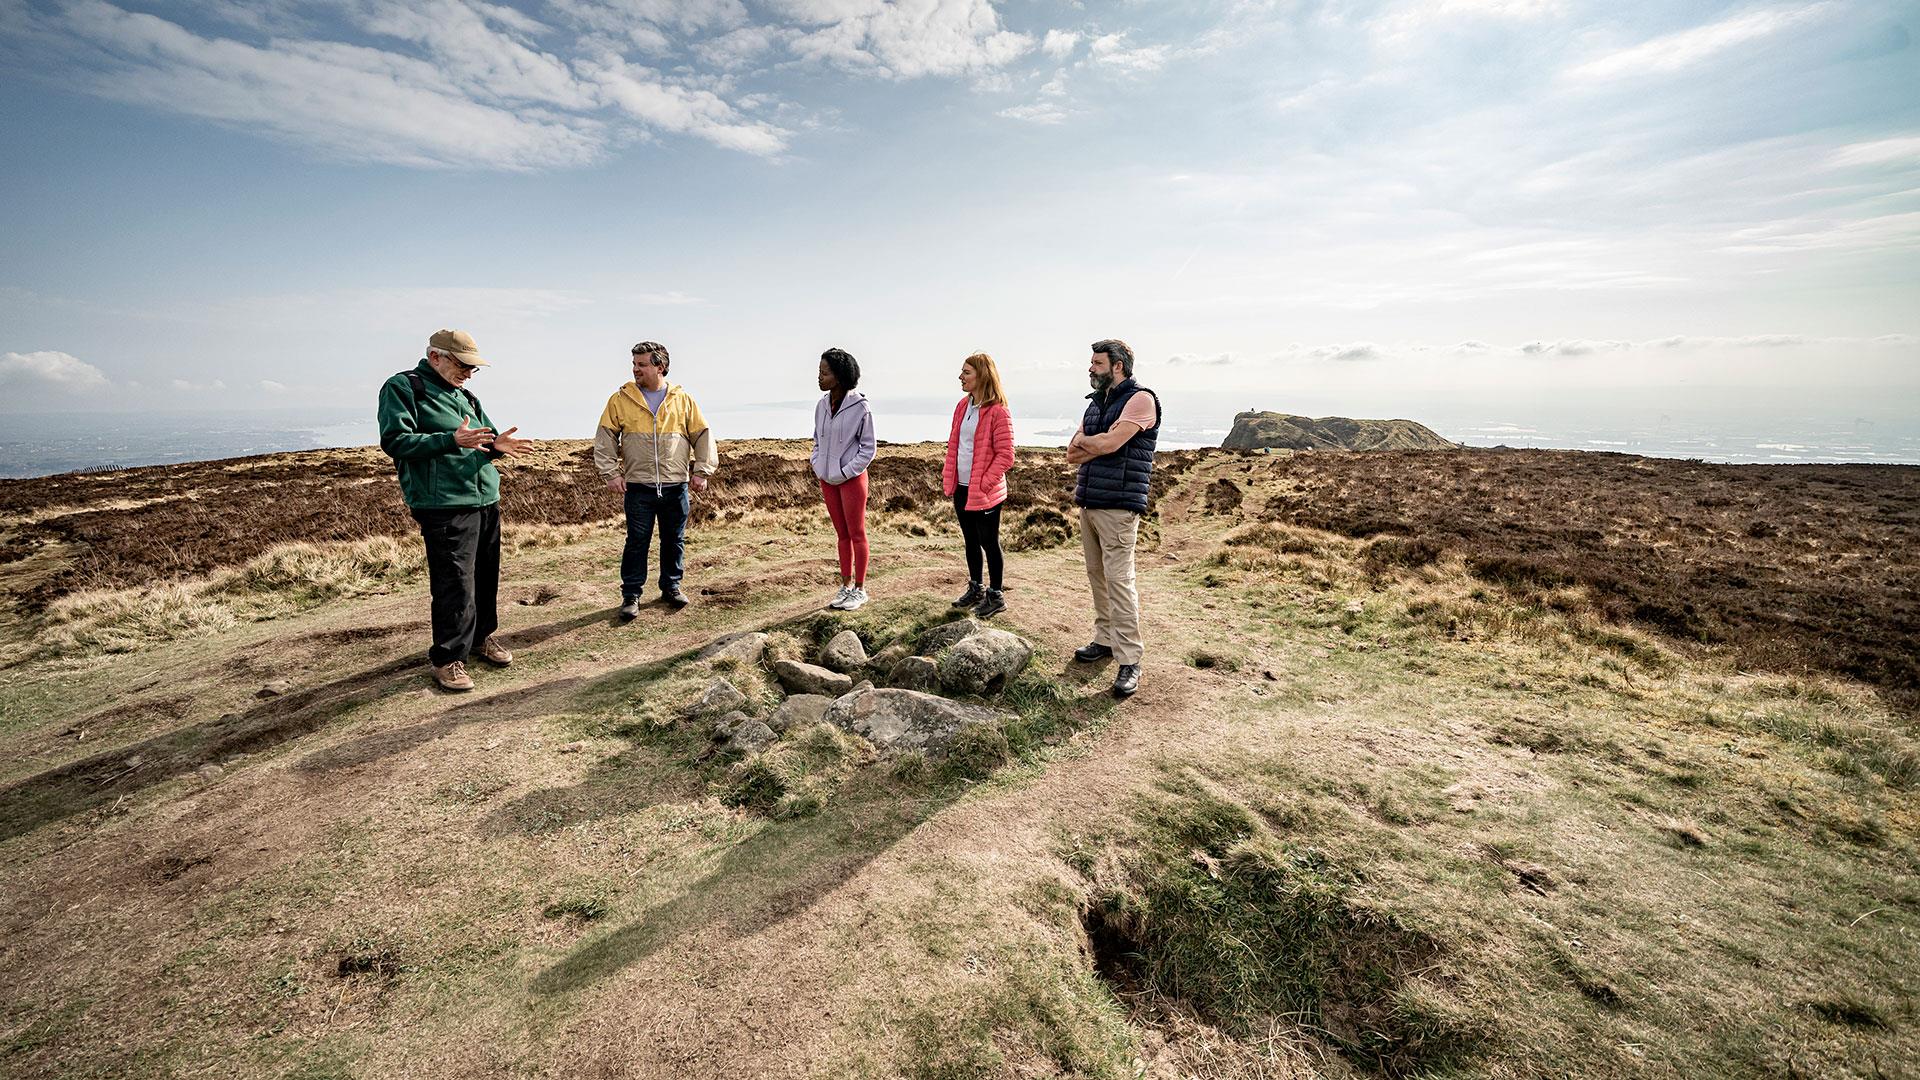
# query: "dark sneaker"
990 605
1127 680
629 607
453 677
971 596
1092 651
672 595
494 653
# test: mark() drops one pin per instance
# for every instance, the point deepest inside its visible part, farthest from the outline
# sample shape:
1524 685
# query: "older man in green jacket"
444 446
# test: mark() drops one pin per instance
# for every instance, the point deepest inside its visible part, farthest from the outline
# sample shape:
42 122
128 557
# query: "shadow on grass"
90 782
778 873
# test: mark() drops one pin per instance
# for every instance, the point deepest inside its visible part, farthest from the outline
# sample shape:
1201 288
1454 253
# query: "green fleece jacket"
435 472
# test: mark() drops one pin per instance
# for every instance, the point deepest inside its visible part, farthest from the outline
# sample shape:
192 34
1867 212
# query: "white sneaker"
855 597
839 602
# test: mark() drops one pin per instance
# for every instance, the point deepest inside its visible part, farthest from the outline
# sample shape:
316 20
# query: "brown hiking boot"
493 653
453 677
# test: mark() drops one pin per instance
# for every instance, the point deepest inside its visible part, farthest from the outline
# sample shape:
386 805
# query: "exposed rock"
799 711
210 773
719 696
1284 431
751 737
897 721
946 635
724 727
746 648
891 655
801 678
915 673
275 688
844 652
980 660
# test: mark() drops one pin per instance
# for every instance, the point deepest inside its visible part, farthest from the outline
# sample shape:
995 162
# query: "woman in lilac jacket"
842 450
979 453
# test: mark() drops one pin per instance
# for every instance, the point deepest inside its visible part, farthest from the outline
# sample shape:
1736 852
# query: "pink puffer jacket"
992 456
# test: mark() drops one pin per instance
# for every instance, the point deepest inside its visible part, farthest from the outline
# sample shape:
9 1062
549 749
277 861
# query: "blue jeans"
644 506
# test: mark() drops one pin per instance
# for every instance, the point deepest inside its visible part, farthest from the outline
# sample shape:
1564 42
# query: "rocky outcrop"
945 636
898 721
1284 431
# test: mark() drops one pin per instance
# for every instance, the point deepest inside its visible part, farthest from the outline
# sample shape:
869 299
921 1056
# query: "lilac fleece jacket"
842 441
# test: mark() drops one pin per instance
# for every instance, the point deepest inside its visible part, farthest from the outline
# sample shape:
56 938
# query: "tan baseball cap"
459 343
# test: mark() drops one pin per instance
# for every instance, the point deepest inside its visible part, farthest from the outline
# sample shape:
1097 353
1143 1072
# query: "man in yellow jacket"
652 445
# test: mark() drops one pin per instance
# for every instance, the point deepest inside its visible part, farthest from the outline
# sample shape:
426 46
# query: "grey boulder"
898 721
751 737
844 652
718 697
915 673
946 635
746 648
981 660
799 711
801 678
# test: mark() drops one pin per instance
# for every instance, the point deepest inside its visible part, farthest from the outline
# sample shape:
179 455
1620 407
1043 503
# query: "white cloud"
346 101
1039 112
272 387
1059 43
641 93
50 370
1904 150
1110 52
185 387
906 39
1685 48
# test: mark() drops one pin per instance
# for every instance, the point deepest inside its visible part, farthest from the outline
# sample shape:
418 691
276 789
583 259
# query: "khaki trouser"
1106 536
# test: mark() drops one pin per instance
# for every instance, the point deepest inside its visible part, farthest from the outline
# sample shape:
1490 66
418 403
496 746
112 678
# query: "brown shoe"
453 677
493 653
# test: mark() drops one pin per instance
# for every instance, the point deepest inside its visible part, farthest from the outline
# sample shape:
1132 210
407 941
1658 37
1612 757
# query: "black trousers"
646 506
981 528
463 568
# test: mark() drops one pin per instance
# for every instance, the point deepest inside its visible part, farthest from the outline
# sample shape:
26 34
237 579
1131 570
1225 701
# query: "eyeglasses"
466 367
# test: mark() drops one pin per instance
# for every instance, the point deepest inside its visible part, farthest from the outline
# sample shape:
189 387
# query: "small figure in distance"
652 446
843 447
1114 450
443 446
979 455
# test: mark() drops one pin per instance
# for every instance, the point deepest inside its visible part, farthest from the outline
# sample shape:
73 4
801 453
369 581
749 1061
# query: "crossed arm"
1083 447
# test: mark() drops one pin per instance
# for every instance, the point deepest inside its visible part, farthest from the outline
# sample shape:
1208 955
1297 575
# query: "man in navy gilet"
1114 450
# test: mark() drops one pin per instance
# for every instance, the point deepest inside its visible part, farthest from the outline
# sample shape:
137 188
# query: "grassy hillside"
1445 764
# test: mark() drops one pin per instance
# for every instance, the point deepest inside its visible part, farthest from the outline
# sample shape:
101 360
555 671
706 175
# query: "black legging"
982 530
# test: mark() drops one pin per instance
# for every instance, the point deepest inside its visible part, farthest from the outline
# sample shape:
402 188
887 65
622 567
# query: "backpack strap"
420 387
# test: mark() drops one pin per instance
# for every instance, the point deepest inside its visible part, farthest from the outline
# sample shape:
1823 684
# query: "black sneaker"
629 607
1088 653
991 604
672 595
1127 680
971 596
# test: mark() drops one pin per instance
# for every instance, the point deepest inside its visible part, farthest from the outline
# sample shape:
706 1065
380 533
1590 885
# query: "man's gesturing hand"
510 446
617 484
472 438
697 482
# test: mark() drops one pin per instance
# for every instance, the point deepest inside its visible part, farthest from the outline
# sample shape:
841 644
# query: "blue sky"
1369 208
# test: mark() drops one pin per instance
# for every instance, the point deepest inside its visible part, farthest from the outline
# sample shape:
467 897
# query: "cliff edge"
1283 431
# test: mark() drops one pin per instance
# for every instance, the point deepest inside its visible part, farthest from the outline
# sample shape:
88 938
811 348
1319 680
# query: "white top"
963 458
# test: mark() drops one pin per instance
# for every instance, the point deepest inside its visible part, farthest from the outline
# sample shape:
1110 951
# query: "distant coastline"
42 444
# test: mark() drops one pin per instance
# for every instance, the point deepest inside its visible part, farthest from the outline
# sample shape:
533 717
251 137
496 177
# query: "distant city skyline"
1387 209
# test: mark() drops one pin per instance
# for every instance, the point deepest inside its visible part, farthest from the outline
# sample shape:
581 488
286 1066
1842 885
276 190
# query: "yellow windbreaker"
649 449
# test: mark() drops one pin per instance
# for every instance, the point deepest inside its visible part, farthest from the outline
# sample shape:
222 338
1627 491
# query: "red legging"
847 506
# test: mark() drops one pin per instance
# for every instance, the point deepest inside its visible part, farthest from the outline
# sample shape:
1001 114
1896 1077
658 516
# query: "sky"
1365 208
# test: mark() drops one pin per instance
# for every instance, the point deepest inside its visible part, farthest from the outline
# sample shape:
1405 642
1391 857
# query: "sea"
41 444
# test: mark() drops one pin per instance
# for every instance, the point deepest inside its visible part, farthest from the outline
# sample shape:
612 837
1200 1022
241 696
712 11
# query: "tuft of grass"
1040 528
1214 912
797 776
584 909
